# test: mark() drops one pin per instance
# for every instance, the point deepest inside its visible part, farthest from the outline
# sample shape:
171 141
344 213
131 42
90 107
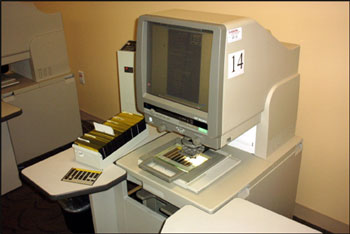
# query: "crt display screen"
179 64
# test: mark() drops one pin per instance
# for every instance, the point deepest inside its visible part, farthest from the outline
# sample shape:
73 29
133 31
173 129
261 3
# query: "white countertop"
47 175
248 172
238 216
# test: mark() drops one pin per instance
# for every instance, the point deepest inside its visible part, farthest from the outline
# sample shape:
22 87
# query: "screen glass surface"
179 64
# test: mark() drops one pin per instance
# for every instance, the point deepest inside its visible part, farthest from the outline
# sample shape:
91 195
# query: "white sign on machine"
236 59
235 64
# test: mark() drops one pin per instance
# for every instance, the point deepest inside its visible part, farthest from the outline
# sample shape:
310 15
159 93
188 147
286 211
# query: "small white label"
104 128
235 64
234 34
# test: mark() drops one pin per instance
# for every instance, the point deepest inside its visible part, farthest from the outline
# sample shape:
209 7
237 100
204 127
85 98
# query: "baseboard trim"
320 220
86 116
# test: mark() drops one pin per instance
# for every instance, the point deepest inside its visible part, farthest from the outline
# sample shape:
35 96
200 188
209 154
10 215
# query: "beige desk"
9 171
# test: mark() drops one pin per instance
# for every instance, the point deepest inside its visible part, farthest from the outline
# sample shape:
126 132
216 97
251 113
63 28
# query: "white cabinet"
50 118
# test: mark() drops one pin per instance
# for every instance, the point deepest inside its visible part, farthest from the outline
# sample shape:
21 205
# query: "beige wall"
96 30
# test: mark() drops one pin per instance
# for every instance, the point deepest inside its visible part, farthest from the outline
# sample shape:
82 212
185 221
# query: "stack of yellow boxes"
125 127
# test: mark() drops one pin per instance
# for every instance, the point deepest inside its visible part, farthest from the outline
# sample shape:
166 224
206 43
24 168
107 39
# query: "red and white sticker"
234 34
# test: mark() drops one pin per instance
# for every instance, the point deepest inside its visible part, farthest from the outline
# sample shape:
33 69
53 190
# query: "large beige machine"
226 92
219 94
39 80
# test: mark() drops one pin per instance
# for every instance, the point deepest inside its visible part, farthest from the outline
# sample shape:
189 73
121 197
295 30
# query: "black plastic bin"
77 214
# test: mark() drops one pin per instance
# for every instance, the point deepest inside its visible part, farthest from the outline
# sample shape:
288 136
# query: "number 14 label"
235 64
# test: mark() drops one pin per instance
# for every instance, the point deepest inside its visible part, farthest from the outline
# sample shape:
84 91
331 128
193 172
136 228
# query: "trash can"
77 214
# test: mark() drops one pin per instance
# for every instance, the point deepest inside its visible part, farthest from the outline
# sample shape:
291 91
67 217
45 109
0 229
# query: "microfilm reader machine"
225 92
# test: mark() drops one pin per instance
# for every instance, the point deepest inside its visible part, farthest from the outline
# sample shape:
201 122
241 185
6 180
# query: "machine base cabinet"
115 211
277 190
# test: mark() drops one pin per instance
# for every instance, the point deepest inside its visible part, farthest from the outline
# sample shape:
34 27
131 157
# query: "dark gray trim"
10 116
299 220
216 79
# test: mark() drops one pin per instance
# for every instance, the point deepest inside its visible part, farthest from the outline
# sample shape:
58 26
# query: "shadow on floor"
24 210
